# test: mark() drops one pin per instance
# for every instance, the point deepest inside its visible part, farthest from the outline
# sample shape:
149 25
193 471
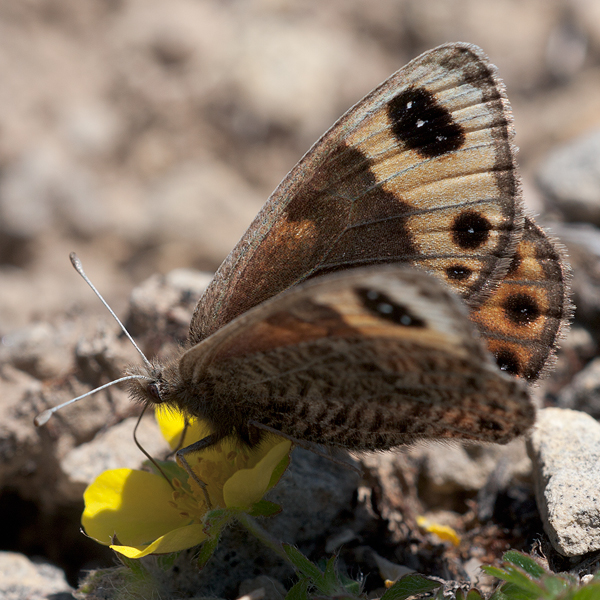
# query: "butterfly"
391 288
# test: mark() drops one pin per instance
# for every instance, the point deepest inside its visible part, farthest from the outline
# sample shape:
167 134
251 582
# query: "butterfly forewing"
421 171
368 359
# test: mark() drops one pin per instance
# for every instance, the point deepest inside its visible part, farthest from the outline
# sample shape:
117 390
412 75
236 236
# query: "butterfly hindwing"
421 171
365 359
525 317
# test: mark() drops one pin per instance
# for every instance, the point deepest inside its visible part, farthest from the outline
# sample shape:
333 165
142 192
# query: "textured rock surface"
565 450
570 175
584 392
21 579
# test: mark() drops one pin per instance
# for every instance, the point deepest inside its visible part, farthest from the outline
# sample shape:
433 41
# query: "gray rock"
570 176
459 467
271 588
583 244
40 349
583 393
21 578
565 450
162 306
111 449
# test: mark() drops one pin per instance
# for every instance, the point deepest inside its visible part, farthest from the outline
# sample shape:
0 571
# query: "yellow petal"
444 532
247 486
171 423
134 505
173 541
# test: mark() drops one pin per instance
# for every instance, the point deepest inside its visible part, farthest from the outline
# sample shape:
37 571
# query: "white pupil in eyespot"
405 320
384 308
372 295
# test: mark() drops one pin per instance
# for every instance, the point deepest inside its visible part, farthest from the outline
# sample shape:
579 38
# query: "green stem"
263 535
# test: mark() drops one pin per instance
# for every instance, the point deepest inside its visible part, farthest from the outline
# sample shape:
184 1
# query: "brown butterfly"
347 315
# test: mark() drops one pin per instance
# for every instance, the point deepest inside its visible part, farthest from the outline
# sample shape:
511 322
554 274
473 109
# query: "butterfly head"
155 384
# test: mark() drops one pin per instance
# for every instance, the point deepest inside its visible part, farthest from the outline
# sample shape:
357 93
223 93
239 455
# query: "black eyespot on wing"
424 125
521 309
384 307
507 361
470 230
458 272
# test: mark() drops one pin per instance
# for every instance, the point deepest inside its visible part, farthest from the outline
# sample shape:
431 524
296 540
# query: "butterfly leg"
202 444
186 424
310 446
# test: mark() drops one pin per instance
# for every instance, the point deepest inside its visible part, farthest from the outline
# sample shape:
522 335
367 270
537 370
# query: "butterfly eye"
154 392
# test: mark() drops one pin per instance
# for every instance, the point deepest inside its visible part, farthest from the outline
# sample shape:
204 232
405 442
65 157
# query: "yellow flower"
444 532
139 512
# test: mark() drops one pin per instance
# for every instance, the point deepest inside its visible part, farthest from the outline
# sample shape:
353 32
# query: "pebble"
570 176
565 450
22 578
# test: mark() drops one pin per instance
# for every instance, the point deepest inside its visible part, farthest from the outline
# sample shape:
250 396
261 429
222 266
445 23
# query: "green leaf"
512 591
474 594
299 591
526 563
215 520
135 565
555 585
351 586
410 585
170 468
206 551
591 591
330 577
514 575
307 568
439 595
264 508
493 571
498 595
166 561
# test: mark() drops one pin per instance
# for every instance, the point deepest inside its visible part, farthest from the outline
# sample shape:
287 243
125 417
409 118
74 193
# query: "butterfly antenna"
79 268
43 417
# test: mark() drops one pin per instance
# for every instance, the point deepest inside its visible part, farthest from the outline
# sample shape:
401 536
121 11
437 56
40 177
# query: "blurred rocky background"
146 134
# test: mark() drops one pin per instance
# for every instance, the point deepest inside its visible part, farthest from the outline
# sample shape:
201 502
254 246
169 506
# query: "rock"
203 204
577 349
565 450
21 578
313 491
40 350
570 176
583 244
162 306
272 589
111 449
19 443
467 467
583 393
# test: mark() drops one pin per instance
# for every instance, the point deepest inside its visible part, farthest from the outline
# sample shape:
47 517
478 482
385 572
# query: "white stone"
565 450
